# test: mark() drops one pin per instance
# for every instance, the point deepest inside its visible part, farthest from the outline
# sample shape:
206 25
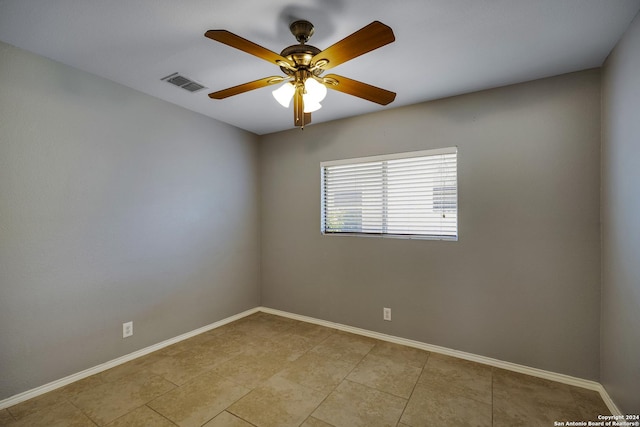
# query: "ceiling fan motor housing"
300 55
302 30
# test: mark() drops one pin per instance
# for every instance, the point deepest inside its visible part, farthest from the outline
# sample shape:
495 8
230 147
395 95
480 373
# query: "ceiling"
442 47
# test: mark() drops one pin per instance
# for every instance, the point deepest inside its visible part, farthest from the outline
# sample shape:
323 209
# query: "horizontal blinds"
413 194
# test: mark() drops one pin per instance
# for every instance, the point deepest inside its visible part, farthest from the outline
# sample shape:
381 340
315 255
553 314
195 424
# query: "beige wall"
114 206
620 345
522 284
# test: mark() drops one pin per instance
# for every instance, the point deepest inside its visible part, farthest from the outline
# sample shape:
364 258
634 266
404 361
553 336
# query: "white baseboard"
30 394
535 372
540 373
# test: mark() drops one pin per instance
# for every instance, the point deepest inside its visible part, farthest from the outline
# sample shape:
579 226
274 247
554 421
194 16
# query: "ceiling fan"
304 64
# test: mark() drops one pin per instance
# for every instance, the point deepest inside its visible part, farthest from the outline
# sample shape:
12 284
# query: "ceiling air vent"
183 82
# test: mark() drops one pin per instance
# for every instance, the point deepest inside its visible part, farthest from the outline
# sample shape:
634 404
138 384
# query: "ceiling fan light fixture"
315 91
309 106
284 94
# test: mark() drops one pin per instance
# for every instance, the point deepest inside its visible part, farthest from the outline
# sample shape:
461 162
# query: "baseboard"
609 402
535 372
30 394
540 373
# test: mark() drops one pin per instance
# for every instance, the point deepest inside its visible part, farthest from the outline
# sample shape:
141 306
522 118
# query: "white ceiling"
442 47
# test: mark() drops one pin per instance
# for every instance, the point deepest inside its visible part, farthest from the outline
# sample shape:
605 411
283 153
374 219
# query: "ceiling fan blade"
364 40
359 89
230 39
307 118
246 87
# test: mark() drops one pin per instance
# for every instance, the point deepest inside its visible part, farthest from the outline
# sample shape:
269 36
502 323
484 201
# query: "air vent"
192 87
183 82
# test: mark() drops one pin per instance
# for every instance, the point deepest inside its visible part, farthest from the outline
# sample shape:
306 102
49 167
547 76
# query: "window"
410 195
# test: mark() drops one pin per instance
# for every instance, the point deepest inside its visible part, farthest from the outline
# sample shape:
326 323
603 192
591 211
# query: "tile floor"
267 370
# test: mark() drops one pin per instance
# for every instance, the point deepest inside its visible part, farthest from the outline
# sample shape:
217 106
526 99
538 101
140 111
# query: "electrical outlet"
127 329
386 314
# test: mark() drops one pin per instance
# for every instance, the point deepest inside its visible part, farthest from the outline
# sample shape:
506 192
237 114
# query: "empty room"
319 213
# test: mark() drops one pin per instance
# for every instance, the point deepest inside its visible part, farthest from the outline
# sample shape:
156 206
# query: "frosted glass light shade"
284 94
315 91
310 106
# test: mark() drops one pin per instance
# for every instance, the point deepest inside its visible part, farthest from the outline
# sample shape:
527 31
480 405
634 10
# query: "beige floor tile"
431 406
191 344
343 346
252 368
315 333
213 351
400 353
590 403
277 403
74 388
473 380
524 400
314 422
520 412
261 325
6 418
354 405
225 419
385 375
512 385
135 366
198 401
220 347
109 401
290 346
61 415
141 417
181 367
31 406
246 338
317 372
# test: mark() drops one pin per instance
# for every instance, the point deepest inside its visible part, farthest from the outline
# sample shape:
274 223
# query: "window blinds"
404 195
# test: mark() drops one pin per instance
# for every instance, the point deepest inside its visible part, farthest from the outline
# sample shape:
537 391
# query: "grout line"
336 386
414 387
68 399
162 415
235 415
330 392
492 400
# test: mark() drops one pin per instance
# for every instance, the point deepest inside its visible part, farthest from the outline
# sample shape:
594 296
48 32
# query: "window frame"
384 158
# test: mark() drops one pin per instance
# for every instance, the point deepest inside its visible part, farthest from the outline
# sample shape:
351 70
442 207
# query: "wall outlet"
127 329
386 314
